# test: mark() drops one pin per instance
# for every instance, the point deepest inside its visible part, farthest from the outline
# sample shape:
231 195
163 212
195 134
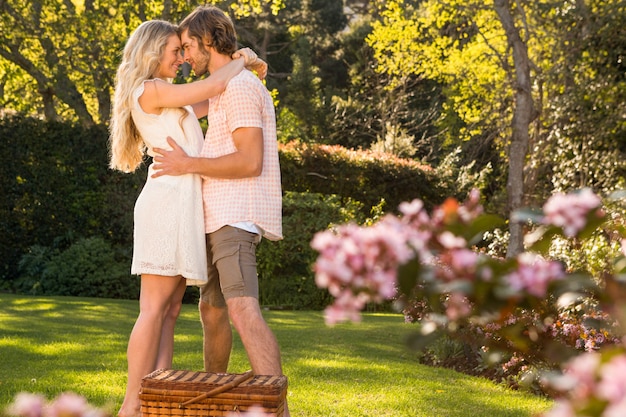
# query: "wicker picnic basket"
177 393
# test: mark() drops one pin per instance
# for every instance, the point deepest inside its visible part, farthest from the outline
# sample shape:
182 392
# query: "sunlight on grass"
61 348
19 304
345 364
55 344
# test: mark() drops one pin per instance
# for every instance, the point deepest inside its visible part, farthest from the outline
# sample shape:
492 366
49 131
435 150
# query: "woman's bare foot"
129 411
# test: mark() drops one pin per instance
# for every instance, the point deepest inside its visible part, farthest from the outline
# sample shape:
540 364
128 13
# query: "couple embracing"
207 202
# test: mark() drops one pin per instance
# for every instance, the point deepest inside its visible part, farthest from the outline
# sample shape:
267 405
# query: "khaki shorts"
231 259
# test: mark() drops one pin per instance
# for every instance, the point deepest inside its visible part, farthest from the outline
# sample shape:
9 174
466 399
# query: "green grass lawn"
54 344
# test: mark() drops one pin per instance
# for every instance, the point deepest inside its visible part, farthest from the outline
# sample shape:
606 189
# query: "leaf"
540 240
408 275
460 286
594 222
557 352
527 214
476 229
419 341
574 283
617 195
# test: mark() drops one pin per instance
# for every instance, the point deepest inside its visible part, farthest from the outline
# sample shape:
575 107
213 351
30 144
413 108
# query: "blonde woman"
169 242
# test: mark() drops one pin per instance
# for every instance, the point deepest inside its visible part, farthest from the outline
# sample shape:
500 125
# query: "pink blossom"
515 361
413 213
458 264
569 211
581 371
471 208
251 412
450 241
68 405
27 405
534 274
485 274
570 329
414 208
359 264
586 379
612 385
457 306
617 409
590 344
419 240
464 260
346 307
561 409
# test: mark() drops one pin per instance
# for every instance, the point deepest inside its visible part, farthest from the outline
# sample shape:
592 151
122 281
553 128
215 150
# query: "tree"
377 107
584 96
298 39
523 114
58 58
517 78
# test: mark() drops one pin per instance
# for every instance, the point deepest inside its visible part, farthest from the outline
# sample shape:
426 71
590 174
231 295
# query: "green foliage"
585 90
285 273
458 179
59 58
364 176
56 183
58 192
577 72
289 126
245 8
299 42
302 90
456 43
88 268
392 40
437 73
375 106
32 266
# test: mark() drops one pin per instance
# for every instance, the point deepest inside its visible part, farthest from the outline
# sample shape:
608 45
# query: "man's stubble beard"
203 64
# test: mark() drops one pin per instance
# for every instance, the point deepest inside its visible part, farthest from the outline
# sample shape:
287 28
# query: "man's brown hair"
211 27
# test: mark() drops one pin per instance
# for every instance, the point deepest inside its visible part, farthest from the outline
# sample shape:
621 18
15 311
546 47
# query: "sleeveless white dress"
169 234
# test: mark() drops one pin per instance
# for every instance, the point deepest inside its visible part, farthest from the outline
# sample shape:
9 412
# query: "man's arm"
201 109
246 162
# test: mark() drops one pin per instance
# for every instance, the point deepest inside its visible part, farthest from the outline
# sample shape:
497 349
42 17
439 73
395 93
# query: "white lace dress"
169 234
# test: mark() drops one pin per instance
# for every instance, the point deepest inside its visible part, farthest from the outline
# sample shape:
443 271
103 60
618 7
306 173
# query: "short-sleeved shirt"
245 103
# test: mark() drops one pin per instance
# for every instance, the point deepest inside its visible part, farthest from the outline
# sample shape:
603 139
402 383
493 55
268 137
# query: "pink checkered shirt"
245 103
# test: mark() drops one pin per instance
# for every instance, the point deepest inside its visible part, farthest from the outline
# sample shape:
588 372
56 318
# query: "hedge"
364 176
58 192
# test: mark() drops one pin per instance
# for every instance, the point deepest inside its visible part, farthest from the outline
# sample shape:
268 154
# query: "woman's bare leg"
157 293
166 348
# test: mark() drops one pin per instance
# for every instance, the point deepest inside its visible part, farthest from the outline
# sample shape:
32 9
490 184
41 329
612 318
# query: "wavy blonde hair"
140 60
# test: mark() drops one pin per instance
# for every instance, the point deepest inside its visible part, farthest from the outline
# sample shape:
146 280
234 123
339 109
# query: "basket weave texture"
164 391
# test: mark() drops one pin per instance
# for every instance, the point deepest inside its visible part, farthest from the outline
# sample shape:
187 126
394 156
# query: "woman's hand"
252 61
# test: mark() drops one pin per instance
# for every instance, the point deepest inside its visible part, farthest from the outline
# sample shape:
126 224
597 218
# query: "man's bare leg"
218 337
257 338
